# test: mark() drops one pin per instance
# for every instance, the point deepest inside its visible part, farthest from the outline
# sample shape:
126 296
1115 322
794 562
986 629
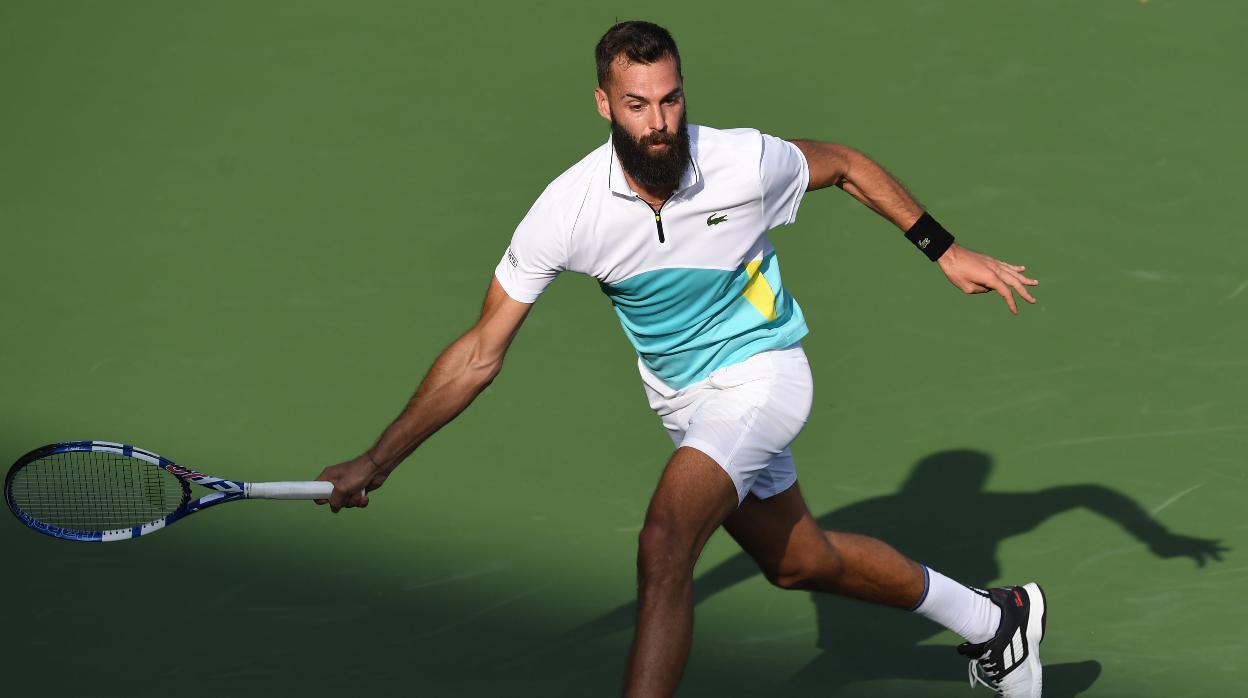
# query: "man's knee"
792 577
811 571
662 552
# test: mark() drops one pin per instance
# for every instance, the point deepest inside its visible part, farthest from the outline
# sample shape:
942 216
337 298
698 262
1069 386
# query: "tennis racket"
99 491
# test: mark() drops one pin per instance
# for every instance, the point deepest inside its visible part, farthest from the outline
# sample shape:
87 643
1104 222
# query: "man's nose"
658 121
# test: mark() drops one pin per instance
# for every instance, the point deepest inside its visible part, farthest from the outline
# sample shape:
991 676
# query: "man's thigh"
778 532
692 499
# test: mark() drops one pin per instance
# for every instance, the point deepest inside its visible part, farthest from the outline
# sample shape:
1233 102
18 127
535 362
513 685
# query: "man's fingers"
1011 274
1003 290
1012 271
323 477
1024 279
1017 284
338 499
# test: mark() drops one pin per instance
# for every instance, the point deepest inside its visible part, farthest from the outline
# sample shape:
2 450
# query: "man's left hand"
973 272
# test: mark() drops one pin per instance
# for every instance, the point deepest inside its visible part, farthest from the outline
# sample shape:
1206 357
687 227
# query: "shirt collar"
691 177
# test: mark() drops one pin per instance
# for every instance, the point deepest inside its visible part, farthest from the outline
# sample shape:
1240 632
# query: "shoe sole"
1038 603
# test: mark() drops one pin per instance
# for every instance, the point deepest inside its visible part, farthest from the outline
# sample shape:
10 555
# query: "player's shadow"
943 516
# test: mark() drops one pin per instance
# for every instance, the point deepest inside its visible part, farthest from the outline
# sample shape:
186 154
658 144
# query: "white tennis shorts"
743 416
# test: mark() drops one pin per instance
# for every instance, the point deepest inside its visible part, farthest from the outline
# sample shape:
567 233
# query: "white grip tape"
313 489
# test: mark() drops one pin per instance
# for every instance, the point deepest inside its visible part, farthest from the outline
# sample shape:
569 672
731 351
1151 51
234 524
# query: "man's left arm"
831 164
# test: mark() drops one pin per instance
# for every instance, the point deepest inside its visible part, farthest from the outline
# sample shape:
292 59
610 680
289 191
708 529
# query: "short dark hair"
640 42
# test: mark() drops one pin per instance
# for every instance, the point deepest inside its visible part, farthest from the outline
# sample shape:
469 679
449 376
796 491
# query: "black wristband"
929 236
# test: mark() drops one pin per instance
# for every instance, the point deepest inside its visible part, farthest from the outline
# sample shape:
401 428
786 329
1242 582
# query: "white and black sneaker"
1009 663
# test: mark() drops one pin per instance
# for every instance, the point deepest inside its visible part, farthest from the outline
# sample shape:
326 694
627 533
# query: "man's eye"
635 107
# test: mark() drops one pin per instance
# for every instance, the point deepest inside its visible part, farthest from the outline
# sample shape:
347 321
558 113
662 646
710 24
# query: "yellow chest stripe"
758 292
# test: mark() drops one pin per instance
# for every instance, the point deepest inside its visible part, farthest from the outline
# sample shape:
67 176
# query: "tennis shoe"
1009 663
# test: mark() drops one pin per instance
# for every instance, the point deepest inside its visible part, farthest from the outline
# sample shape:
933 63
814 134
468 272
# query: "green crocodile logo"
716 219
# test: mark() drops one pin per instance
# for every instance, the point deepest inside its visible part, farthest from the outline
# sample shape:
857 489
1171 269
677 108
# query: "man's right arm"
458 375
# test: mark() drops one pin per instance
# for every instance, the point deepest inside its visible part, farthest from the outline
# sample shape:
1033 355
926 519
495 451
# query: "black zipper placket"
658 217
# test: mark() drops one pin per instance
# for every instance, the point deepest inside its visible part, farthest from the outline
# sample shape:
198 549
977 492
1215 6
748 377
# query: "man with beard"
672 221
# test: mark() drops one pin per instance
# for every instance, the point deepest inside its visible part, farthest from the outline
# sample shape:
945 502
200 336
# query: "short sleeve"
785 175
538 252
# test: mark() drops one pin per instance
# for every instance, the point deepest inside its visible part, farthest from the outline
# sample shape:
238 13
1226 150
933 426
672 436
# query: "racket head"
95 491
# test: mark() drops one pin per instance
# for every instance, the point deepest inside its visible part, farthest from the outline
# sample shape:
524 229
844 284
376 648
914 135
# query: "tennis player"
672 220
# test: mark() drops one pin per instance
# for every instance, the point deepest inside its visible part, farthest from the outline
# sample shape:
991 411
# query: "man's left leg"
794 553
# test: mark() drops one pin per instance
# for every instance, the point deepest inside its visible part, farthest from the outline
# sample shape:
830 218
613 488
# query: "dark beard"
657 172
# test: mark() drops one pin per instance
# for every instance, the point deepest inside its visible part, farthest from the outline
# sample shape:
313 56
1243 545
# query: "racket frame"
222 491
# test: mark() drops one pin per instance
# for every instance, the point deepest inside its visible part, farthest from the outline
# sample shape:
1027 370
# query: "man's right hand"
459 374
352 480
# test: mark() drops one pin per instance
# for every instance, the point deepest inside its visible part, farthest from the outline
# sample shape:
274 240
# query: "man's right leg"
692 499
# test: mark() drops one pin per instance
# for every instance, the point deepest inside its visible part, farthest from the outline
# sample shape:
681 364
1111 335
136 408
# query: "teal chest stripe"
686 323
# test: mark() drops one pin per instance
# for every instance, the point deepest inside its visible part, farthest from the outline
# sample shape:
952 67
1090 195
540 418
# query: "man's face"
645 104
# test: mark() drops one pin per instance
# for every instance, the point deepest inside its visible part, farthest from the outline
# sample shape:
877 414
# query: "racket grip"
312 489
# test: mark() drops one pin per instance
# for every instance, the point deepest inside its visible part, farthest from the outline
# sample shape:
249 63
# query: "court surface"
238 233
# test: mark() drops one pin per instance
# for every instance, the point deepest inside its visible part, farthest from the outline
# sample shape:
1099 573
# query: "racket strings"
95 491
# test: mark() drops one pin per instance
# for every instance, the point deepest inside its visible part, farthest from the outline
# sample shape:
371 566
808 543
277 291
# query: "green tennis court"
238 233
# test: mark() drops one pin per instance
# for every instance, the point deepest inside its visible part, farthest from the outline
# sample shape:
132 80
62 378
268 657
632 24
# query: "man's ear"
604 103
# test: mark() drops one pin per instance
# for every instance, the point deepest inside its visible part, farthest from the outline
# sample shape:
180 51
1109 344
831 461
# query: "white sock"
966 611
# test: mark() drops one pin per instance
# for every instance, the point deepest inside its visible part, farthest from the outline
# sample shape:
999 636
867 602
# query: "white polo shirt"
696 285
